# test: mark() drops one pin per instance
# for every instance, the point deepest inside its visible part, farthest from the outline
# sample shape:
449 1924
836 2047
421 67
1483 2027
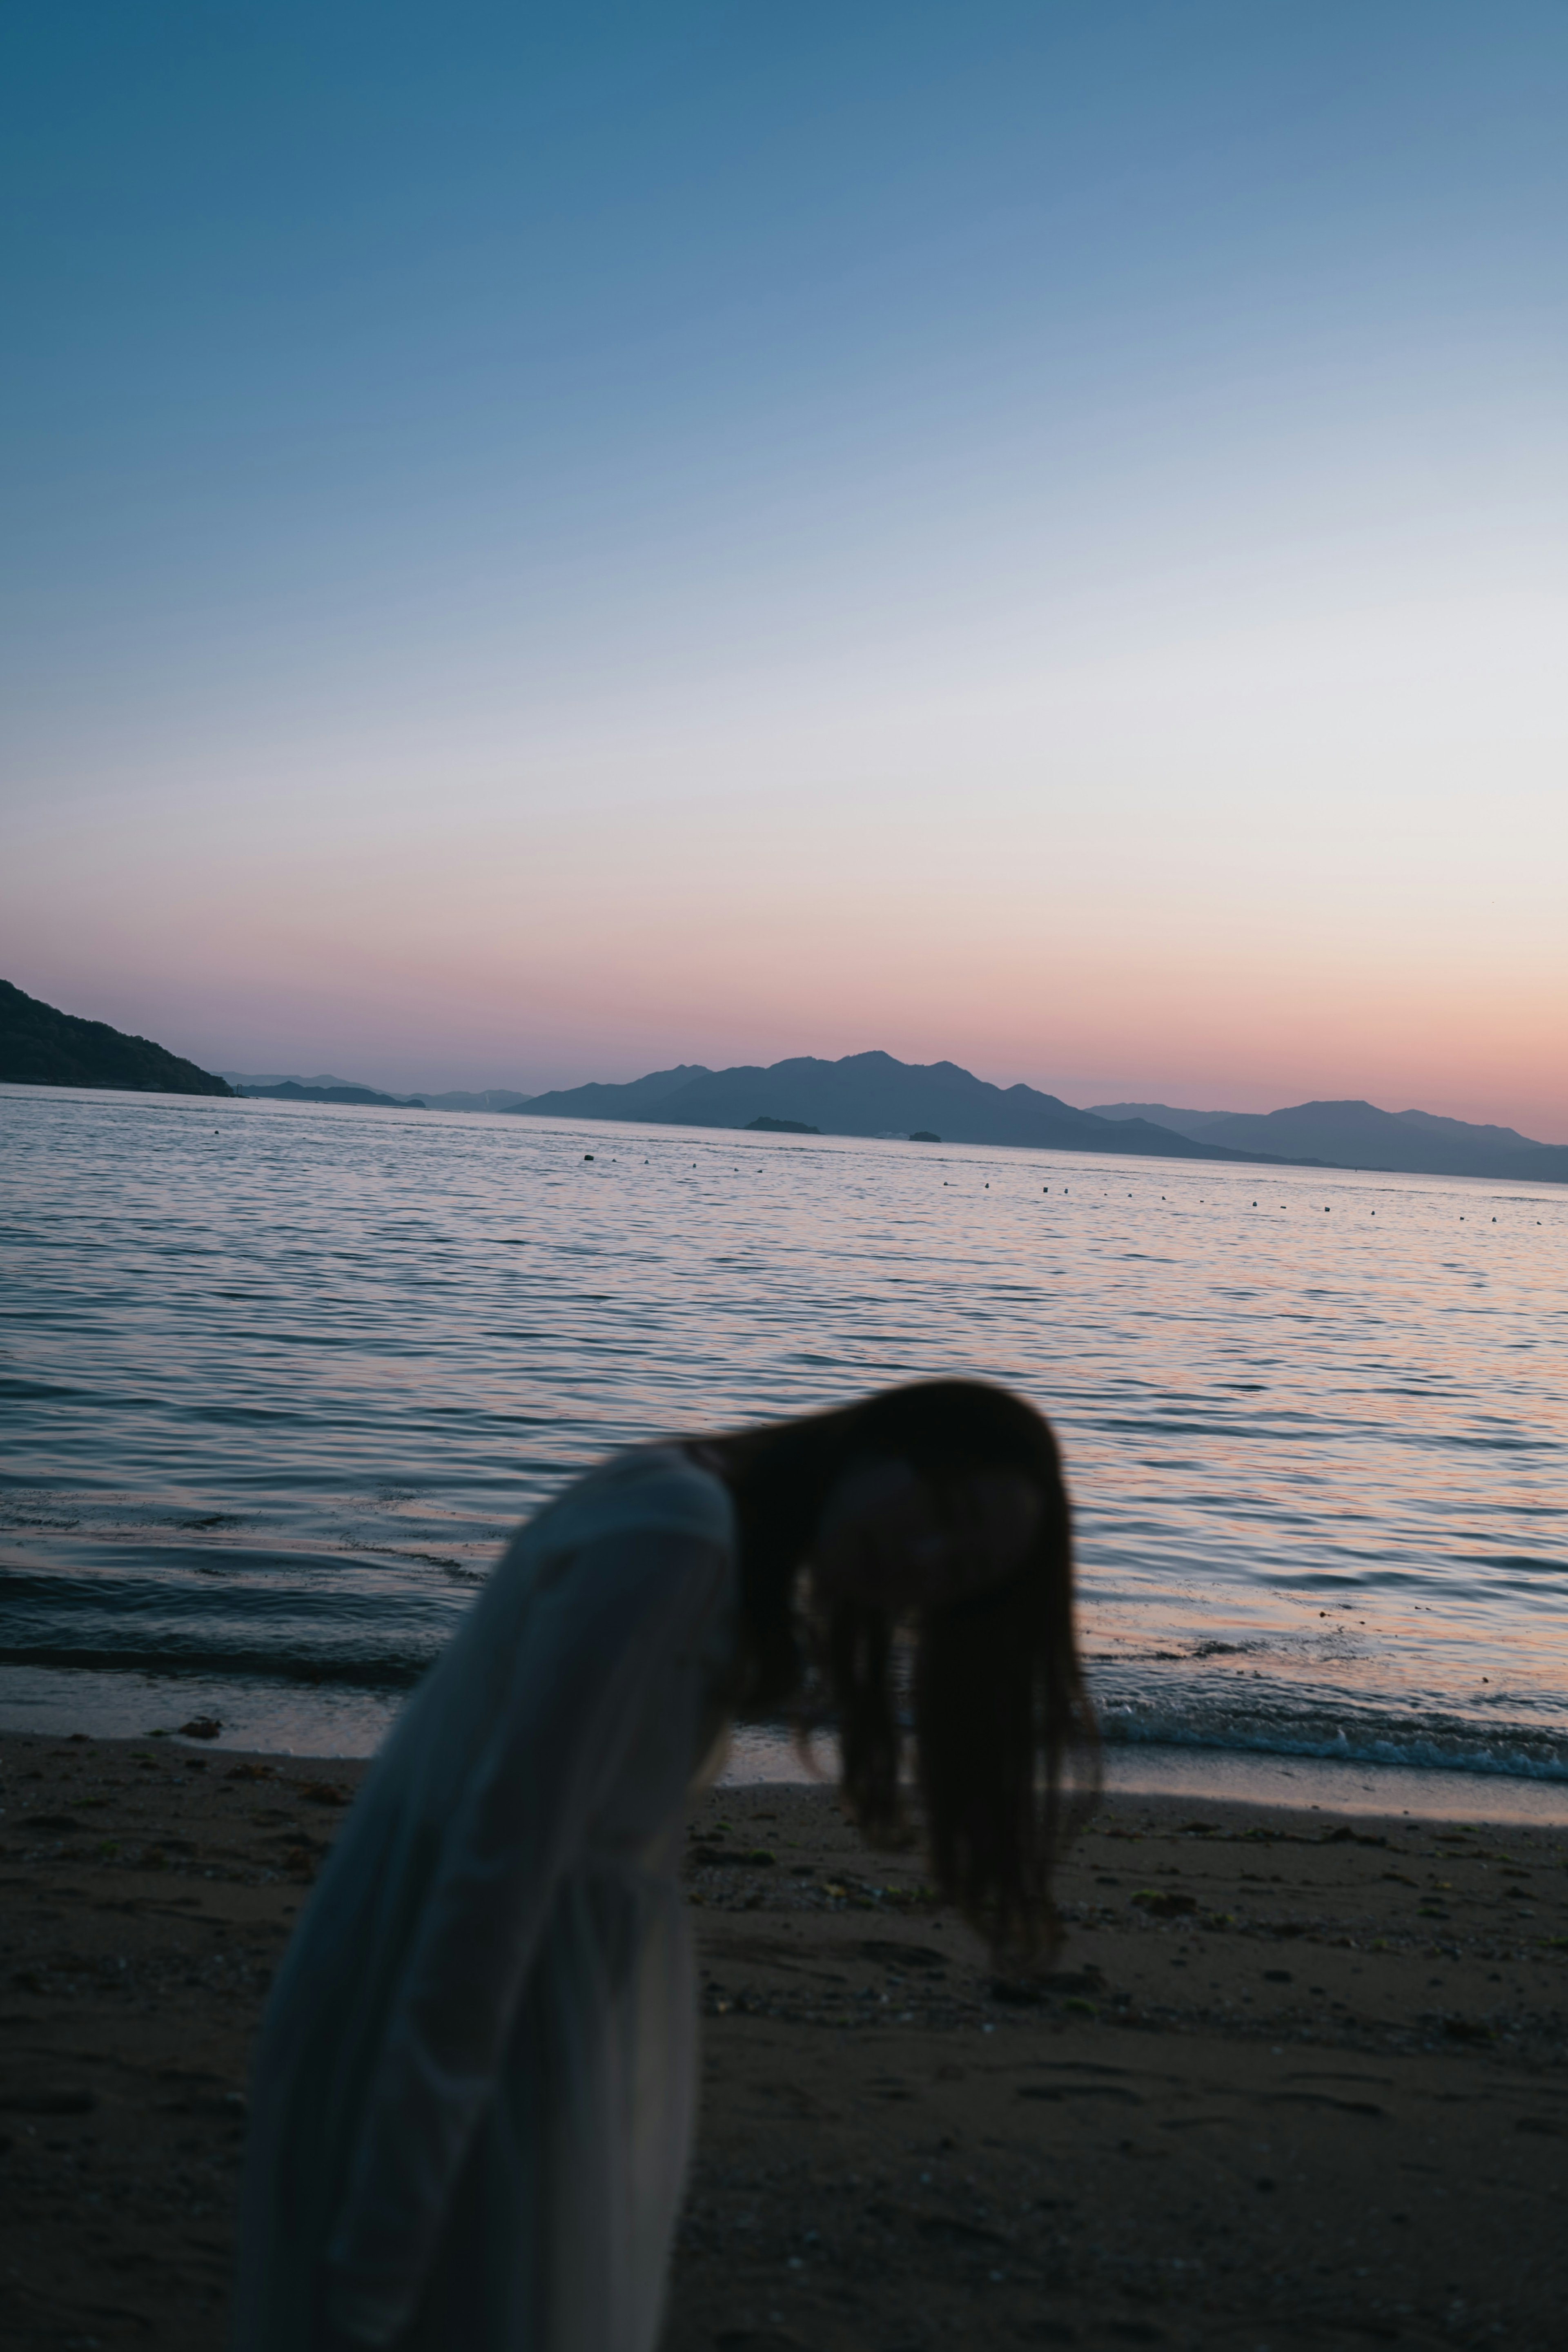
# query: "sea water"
279 1381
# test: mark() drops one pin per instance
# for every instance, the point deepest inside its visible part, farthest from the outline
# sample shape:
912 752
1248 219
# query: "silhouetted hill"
1195 1123
1547 1164
42 1047
636 1099
1359 1135
871 1093
291 1090
325 1087
250 1081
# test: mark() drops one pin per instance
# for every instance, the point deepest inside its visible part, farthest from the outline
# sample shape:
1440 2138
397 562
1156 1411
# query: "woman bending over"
474 2092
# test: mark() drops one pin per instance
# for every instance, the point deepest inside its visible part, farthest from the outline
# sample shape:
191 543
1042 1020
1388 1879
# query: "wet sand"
1295 2080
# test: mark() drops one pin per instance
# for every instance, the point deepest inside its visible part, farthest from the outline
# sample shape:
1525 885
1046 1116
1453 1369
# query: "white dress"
473 2092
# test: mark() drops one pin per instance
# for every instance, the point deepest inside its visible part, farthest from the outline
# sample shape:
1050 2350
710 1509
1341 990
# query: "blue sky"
541 542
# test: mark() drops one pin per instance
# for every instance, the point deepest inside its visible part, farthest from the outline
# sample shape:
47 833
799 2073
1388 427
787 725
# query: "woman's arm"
595 1651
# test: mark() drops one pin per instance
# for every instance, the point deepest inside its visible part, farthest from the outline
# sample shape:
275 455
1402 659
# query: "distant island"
870 1095
1359 1135
326 1087
41 1047
292 1090
873 1095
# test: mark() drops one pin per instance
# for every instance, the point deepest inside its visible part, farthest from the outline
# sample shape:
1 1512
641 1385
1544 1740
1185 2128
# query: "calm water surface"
277 1382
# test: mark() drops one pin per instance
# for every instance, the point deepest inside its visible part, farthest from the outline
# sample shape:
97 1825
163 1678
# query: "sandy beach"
1294 2081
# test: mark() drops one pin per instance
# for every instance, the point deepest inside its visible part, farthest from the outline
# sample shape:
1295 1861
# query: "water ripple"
279 1380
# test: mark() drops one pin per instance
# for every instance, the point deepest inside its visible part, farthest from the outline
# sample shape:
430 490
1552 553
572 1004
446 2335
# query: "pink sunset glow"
1127 661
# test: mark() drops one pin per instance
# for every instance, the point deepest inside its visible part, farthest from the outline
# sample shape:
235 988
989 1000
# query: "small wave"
1531 1563
1419 1744
389 1671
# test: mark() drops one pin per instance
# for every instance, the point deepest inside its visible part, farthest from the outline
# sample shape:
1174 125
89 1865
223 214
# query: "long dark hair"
1005 1741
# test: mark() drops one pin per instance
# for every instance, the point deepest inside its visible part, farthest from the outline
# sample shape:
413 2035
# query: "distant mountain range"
1359 1135
864 1094
871 1093
40 1047
250 1081
289 1086
340 1091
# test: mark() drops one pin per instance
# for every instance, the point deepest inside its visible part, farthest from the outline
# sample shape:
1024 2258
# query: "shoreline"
68 1701
1248 1776
1293 2076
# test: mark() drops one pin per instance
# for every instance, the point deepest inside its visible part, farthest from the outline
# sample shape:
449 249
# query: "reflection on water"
279 1380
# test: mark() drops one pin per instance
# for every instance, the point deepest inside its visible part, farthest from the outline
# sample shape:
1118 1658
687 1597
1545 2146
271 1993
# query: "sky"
541 543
